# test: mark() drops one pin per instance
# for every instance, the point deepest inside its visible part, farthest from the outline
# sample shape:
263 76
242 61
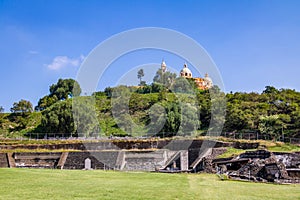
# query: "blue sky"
254 43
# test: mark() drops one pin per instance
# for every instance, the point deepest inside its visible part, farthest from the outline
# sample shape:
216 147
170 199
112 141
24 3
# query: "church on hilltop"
202 83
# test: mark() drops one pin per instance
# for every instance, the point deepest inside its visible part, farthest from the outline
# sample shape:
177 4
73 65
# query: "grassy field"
77 184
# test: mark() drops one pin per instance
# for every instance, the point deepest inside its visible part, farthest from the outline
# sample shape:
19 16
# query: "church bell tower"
163 66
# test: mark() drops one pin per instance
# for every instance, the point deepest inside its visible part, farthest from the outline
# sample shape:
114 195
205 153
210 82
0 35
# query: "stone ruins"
259 165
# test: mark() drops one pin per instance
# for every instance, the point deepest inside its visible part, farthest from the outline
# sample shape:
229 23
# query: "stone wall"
290 160
76 160
144 161
115 160
3 160
246 145
36 160
118 160
260 154
175 145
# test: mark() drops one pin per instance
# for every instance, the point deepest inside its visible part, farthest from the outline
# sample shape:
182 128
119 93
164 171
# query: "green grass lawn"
77 184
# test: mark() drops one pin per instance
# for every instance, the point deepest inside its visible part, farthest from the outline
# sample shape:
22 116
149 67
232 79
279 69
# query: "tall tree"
140 75
65 88
120 108
173 119
58 119
189 119
85 117
165 78
62 90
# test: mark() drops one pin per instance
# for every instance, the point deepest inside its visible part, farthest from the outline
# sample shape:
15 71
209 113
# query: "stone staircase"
200 158
62 160
120 163
169 162
3 160
11 160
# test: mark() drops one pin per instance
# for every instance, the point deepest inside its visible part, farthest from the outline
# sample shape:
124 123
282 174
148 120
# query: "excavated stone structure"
260 165
163 156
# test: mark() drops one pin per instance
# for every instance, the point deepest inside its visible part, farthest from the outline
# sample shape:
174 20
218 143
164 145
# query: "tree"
165 78
22 107
270 125
172 119
189 119
182 85
204 101
74 117
140 74
145 89
85 117
272 96
157 87
46 102
157 119
235 119
58 119
120 108
108 91
218 110
62 90
1 109
270 90
65 88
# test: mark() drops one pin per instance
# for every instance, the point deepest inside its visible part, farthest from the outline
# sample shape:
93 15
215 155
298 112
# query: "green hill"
155 109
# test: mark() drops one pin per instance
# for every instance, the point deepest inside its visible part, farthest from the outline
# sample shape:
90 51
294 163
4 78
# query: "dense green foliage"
165 78
167 107
58 118
20 115
62 90
275 112
67 118
22 107
96 184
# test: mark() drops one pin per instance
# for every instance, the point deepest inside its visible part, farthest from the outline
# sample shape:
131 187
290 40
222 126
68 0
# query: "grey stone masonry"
184 160
36 159
3 160
144 161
